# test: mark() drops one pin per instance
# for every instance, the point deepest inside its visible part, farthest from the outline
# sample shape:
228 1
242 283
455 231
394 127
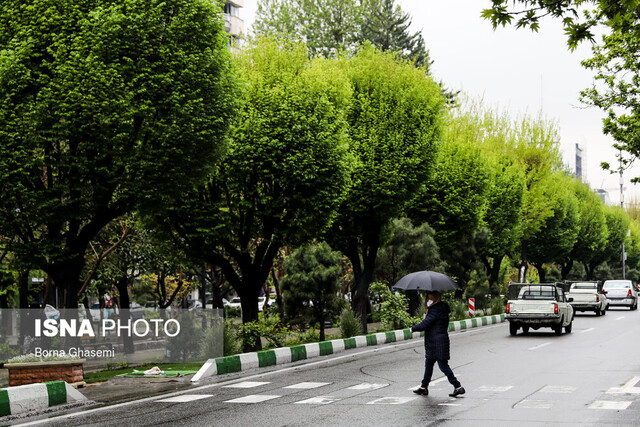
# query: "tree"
616 90
386 26
394 124
615 14
286 171
593 230
558 235
328 26
453 201
408 249
105 107
538 156
312 275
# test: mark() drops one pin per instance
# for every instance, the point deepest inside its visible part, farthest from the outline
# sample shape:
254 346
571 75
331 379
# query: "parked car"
622 293
136 310
234 302
261 301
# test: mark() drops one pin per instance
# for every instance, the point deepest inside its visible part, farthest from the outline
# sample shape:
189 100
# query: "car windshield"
617 284
260 299
235 300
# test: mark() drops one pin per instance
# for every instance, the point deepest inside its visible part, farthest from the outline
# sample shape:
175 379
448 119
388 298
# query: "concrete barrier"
279 356
36 397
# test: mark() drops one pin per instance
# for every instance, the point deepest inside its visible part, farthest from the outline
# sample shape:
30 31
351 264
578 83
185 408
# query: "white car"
234 302
51 312
621 292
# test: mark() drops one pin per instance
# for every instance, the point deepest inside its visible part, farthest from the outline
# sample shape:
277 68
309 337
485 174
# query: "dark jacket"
435 327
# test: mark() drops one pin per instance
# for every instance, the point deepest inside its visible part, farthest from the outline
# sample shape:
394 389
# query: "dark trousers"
444 367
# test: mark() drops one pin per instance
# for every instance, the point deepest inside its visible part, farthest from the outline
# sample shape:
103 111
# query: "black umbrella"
426 281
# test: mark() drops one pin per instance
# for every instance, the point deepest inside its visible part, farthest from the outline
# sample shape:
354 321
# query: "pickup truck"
587 296
538 305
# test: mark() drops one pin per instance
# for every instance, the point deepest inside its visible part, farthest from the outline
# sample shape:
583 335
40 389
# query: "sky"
518 71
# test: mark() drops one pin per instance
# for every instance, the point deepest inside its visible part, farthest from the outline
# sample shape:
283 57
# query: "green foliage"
408 249
270 328
497 305
349 324
310 284
311 335
394 309
185 345
459 310
105 107
230 342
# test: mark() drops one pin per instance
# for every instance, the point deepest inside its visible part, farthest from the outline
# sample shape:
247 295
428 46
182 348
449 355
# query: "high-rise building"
579 163
233 24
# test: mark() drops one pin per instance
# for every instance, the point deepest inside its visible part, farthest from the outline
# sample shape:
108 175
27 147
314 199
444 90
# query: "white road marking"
558 389
620 318
305 366
320 400
367 386
253 398
539 346
535 404
185 398
608 404
307 385
492 388
627 388
586 330
391 400
246 384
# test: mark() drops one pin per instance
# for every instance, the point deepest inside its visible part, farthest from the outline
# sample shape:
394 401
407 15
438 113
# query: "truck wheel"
513 329
558 329
568 328
604 311
525 329
598 312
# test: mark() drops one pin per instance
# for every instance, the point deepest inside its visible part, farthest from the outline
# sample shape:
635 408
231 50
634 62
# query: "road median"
249 361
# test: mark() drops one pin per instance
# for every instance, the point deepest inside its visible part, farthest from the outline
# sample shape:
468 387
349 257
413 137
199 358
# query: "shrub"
270 328
308 336
230 339
496 305
213 343
459 310
349 324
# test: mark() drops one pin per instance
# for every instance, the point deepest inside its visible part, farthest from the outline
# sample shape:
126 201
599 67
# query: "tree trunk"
249 305
123 296
23 288
523 265
541 272
66 277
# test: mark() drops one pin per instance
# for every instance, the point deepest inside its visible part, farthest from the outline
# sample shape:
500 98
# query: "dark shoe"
457 392
421 391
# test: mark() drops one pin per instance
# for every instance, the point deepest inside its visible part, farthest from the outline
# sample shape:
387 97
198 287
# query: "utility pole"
624 254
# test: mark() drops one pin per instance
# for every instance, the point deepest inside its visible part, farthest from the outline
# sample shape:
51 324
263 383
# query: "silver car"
621 292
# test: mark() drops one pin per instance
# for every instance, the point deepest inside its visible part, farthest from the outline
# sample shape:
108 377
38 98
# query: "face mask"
429 303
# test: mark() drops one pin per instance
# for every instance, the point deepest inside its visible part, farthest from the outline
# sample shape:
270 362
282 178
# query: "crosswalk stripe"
253 398
391 400
183 398
610 404
246 384
320 400
367 386
307 385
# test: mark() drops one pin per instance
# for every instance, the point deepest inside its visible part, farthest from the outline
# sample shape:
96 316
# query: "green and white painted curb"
36 397
279 356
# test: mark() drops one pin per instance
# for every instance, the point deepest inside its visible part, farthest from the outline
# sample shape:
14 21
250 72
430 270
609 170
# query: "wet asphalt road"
588 377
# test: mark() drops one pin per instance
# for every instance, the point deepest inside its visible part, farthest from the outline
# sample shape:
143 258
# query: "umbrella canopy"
426 281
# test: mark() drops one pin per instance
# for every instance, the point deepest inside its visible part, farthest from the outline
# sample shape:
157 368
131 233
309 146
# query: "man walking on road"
436 343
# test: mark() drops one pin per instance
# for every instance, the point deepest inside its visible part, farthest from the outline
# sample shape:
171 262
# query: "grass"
102 376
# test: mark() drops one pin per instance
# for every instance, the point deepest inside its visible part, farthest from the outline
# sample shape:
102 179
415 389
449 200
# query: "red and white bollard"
472 307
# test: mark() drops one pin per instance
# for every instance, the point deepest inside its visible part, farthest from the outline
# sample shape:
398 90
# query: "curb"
36 397
279 356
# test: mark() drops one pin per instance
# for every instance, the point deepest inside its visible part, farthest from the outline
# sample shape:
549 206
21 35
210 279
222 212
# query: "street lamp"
624 254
